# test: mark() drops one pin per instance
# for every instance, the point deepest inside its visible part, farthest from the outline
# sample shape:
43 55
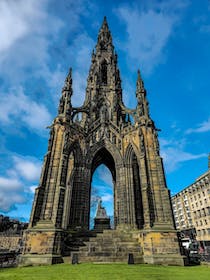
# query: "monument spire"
142 103
65 106
104 42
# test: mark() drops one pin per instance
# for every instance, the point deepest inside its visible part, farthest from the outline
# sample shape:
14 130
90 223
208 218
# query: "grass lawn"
105 272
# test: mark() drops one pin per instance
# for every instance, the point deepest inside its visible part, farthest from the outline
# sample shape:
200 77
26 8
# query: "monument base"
42 245
161 247
149 246
146 246
101 224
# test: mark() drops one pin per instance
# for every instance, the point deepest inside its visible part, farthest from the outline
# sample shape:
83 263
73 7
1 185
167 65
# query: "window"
104 72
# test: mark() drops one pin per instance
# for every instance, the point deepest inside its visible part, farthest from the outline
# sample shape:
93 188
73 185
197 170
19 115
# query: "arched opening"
102 190
137 193
104 72
103 178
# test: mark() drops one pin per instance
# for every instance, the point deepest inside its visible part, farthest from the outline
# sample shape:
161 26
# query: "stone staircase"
110 246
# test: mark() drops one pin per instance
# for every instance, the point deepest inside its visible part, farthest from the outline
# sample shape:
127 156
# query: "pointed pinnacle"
139 83
104 26
104 22
209 161
70 73
68 81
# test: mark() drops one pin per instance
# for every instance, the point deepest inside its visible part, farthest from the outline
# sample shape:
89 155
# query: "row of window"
202 212
203 231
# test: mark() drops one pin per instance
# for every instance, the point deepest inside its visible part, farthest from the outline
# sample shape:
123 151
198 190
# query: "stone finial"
68 81
139 83
65 100
104 37
209 161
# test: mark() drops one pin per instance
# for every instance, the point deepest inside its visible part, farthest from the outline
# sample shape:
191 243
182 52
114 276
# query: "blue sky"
168 40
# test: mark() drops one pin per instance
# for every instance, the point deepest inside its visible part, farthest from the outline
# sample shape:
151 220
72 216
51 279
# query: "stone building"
191 208
106 134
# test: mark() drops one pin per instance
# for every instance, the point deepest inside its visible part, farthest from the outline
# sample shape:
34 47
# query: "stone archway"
103 157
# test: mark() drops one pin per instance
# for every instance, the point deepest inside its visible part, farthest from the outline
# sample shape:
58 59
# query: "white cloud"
107 198
9 184
10 193
16 106
13 21
80 52
14 187
202 127
32 188
27 30
8 201
149 31
105 175
28 168
173 154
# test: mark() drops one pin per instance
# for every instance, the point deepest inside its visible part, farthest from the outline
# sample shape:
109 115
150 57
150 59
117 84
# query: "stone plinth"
41 246
101 221
101 224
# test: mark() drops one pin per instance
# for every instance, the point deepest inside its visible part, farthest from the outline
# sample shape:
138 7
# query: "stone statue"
101 211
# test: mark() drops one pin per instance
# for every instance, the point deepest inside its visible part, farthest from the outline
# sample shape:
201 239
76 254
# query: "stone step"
111 246
106 253
112 239
108 259
113 252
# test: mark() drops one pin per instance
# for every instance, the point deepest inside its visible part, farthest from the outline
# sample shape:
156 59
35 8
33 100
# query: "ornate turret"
142 103
65 106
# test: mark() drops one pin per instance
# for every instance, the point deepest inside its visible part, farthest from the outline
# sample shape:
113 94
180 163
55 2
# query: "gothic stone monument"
143 221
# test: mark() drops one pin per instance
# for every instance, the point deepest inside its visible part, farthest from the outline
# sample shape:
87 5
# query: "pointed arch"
103 71
76 150
103 156
132 164
131 148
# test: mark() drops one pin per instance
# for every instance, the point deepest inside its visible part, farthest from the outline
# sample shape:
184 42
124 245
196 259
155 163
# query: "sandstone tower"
126 141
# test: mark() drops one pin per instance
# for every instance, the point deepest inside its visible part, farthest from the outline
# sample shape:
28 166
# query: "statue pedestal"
101 221
101 224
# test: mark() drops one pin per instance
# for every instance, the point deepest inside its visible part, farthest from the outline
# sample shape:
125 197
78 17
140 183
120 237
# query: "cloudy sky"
168 40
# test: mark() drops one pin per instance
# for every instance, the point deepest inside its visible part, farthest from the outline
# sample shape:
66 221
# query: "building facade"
191 208
126 141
